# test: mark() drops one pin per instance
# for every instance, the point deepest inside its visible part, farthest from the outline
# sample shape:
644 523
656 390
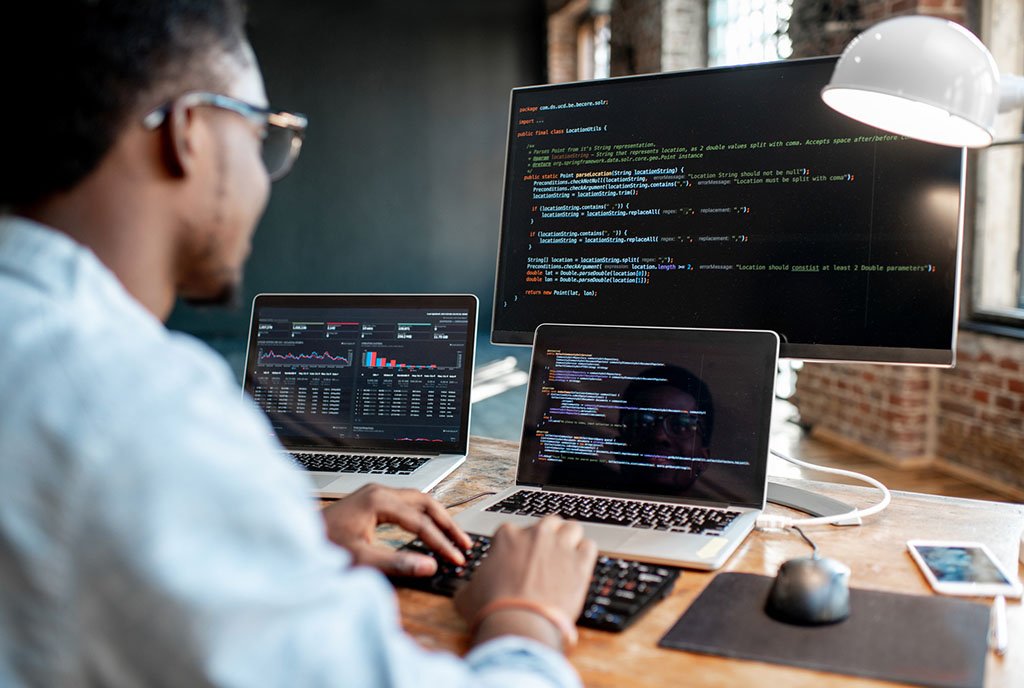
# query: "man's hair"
75 73
683 380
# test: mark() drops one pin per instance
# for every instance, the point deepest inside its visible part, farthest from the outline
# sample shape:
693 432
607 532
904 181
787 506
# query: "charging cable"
768 521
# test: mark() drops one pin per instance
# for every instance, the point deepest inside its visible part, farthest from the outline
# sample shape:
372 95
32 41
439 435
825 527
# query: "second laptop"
655 438
363 388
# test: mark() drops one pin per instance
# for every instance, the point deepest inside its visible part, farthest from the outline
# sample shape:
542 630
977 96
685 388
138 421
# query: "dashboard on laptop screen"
351 376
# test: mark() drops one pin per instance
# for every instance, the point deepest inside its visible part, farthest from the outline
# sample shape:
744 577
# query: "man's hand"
549 563
352 522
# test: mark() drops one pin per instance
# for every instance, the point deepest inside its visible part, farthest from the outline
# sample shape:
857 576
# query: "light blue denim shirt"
151 534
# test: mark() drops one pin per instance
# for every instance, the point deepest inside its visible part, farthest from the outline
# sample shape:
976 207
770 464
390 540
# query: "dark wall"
398 187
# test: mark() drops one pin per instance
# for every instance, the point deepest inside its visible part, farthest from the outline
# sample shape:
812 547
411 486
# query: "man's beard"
228 298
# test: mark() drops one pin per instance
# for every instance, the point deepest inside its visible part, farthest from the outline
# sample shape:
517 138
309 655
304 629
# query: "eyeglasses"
282 132
676 424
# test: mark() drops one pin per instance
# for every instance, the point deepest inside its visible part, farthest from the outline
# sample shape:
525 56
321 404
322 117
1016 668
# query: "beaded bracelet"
565 628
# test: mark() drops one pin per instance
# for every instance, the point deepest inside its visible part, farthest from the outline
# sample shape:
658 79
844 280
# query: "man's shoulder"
99 353
79 373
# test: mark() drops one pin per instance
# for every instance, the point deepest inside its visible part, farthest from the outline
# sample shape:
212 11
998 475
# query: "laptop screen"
364 372
681 414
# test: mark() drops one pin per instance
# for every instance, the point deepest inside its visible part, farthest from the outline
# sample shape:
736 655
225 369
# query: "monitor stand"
809 502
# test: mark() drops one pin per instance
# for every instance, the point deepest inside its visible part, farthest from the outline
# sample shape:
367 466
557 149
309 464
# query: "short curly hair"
74 73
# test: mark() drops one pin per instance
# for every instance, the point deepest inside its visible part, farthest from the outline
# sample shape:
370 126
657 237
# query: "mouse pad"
931 641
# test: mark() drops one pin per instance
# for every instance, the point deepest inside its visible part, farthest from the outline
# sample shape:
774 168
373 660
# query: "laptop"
365 388
655 438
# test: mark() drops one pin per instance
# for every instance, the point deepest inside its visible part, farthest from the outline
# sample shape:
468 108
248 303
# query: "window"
593 45
743 31
996 289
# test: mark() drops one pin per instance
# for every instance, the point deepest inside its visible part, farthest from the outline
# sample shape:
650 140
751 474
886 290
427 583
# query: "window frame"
976 314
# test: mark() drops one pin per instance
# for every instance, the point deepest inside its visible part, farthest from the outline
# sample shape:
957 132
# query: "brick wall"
818 27
684 34
968 419
882 411
647 36
824 27
636 37
954 10
980 431
563 29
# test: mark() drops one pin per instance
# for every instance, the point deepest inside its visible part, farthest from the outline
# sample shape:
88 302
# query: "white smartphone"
963 568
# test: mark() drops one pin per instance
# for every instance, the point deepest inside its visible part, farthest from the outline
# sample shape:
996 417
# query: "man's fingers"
421 515
444 521
436 540
570 533
549 523
412 516
394 563
588 548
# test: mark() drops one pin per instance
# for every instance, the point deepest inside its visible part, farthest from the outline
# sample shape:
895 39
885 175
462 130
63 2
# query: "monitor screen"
728 198
350 371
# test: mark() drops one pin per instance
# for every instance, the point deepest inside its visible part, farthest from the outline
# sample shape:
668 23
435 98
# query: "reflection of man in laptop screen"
668 420
642 424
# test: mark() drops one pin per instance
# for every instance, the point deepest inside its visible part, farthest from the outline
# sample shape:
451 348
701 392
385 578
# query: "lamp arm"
1011 92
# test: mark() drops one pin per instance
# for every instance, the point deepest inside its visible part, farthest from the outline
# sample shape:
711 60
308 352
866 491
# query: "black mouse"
810 591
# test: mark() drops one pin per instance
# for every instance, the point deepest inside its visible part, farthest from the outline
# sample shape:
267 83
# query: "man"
662 440
669 423
138 547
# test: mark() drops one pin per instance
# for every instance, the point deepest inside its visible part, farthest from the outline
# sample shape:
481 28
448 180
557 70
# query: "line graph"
271 357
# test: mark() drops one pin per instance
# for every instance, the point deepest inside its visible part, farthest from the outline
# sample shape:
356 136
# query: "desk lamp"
925 78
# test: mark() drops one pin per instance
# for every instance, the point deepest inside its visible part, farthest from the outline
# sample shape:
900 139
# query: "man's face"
232 188
667 435
671 432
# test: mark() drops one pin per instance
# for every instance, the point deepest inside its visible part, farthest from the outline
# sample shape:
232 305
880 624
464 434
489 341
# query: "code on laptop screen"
650 411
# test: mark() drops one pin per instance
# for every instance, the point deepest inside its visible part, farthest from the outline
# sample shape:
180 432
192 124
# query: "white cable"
774 521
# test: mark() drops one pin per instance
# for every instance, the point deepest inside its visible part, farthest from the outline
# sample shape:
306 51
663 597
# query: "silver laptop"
365 388
655 438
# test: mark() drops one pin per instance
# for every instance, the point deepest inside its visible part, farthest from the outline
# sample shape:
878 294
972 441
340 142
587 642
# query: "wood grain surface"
875 552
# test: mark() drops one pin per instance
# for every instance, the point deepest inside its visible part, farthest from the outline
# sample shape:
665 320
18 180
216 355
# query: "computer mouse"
810 591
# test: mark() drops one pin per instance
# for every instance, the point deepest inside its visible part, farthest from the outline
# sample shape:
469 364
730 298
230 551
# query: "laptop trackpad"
608 538
321 480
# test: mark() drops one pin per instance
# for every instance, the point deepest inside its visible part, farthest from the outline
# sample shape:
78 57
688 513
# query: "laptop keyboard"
352 463
620 590
617 512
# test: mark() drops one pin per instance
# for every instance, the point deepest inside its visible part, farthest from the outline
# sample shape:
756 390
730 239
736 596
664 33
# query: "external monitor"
728 198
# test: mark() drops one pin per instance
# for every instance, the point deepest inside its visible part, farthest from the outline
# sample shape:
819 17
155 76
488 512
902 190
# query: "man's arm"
203 560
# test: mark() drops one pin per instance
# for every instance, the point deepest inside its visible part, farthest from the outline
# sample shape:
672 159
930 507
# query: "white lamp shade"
922 77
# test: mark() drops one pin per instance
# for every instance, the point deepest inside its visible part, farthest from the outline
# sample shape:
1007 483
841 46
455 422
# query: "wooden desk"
875 552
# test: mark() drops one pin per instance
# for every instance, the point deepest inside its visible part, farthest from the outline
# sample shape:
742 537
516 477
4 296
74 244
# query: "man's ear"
179 140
